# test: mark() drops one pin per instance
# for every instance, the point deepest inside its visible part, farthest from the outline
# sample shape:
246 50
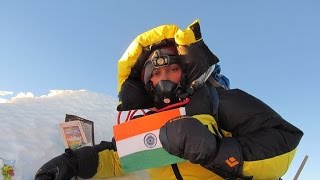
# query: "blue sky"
267 48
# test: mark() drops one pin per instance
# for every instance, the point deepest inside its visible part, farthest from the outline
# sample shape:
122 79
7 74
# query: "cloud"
59 92
3 93
23 96
3 100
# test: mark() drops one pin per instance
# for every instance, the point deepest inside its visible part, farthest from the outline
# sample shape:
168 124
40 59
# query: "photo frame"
87 125
72 134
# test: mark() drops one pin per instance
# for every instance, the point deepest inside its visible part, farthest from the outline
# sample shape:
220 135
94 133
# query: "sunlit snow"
29 126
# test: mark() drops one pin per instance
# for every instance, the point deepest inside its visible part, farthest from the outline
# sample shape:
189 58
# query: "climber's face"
162 76
172 72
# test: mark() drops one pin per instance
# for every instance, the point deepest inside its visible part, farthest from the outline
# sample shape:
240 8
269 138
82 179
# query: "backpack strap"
214 96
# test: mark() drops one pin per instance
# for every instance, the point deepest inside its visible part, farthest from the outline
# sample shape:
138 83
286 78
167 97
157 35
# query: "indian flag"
138 143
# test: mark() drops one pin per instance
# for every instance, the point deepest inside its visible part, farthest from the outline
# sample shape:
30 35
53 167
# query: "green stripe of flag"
148 159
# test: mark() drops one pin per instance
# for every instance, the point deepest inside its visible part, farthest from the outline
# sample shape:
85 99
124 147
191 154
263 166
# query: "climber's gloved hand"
82 162
188 139
70 164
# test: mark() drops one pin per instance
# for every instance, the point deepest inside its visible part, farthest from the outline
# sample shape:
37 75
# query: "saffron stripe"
145 123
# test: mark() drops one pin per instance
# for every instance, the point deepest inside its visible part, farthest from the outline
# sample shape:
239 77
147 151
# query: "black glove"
188 138
82 162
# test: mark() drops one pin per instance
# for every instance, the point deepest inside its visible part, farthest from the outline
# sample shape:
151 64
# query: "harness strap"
176 171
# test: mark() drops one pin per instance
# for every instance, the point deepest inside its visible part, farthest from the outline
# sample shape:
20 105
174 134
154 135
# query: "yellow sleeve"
277 166
109 165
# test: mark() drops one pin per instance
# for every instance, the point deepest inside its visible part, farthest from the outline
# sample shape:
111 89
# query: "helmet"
165 92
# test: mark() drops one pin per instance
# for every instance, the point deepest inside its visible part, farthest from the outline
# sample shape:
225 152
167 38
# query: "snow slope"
29 126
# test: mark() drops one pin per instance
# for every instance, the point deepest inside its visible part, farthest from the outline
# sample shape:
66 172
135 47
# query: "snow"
29 126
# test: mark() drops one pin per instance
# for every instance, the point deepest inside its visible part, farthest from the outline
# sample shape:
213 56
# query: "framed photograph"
72 134
87 125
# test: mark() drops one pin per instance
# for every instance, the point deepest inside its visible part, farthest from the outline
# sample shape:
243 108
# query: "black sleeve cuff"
105 145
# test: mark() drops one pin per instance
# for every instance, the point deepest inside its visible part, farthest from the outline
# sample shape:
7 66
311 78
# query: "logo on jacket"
150 140
231 162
